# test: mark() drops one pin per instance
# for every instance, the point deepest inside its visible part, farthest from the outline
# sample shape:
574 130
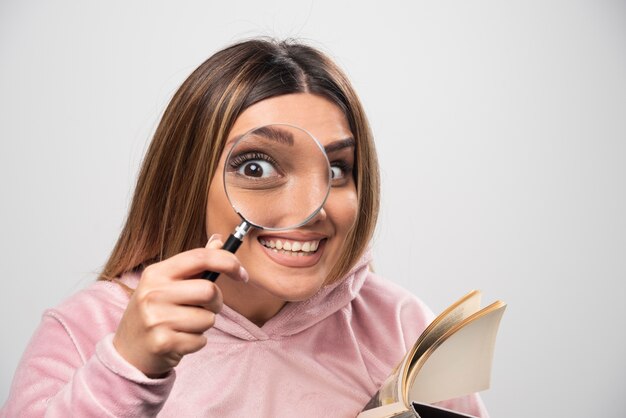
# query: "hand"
172 307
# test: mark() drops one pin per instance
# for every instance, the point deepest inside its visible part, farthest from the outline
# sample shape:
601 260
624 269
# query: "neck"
255 304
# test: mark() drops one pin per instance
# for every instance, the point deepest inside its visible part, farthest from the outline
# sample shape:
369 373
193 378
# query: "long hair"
167 214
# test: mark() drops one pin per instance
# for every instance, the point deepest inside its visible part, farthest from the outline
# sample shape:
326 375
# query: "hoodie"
322 357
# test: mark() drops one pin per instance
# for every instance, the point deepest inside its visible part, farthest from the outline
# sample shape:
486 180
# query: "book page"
396 384
459 363
454 314
446 333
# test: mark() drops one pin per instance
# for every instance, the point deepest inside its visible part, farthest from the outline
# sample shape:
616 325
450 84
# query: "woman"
269 337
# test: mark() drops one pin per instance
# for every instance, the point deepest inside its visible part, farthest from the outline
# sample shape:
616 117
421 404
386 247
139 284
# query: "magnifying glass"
276 177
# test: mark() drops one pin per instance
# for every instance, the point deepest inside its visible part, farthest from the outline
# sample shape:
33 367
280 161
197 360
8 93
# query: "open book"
451 358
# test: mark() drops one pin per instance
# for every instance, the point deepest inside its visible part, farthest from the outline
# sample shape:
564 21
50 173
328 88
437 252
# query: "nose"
320 216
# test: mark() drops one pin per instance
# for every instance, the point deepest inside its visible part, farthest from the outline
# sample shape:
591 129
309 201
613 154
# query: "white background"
501 130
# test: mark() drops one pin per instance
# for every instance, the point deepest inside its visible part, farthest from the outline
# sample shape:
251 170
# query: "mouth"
291 247
293 252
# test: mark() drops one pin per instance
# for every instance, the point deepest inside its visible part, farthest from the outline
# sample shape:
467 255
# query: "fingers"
197 292
215 242
193 262
173 345
184 319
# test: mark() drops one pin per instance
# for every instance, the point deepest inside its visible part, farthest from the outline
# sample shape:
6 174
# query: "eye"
340 170
254 165
257 168
337 172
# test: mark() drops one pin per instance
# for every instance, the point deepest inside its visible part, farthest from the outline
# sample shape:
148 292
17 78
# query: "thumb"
215 242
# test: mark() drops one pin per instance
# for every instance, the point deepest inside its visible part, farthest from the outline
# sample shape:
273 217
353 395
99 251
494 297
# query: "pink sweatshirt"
323 357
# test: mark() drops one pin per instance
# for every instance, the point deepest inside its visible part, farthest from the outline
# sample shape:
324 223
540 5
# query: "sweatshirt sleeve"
54 380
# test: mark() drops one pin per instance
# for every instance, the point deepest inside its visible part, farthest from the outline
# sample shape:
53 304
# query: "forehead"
314 113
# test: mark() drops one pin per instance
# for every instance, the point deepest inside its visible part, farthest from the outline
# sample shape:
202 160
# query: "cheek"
344 206
220 216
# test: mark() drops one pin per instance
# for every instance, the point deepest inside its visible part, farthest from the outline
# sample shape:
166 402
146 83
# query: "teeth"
291 247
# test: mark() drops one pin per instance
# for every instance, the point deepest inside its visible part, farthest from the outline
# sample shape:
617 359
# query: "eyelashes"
237 161
340 170
254 166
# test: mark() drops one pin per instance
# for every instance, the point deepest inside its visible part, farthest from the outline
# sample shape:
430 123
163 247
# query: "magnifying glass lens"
277 177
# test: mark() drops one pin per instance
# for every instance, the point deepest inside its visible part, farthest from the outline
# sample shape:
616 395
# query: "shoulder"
386 320
90 314
98 301
389 303
387 292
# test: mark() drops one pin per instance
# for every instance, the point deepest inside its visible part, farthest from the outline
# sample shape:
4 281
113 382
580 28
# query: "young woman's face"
285 274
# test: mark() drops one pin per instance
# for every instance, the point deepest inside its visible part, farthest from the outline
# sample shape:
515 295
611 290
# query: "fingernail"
243 274
212 238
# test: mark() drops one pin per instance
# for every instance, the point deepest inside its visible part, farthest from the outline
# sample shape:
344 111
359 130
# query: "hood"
295 317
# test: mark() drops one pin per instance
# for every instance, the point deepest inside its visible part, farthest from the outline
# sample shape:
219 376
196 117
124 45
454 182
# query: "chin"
291 288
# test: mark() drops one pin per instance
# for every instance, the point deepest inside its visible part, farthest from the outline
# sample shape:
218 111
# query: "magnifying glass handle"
232 244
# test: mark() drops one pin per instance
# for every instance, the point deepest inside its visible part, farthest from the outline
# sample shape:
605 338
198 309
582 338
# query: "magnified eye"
254 165
257 168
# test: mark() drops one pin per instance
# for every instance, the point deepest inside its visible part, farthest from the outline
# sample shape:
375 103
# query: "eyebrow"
285 137
275 134
339 145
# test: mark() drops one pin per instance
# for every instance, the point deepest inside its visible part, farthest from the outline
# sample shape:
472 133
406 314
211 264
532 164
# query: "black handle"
231 245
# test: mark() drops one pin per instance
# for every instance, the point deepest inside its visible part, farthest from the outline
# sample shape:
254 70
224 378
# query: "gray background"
501 128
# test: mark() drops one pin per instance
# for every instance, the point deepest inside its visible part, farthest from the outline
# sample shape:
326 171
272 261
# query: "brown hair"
167 213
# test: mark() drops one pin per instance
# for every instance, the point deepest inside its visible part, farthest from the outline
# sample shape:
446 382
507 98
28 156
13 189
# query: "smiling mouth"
291 248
